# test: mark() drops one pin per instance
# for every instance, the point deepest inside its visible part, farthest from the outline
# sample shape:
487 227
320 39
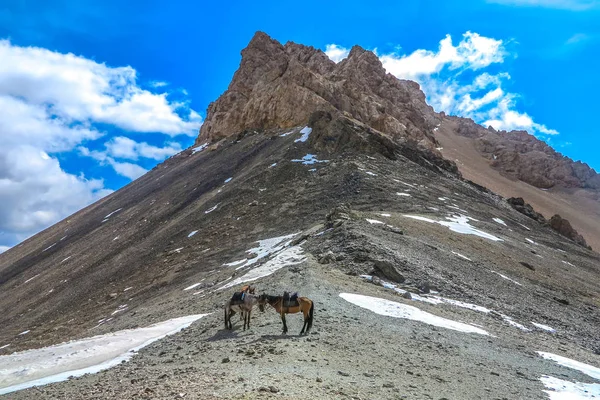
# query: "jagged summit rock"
280 86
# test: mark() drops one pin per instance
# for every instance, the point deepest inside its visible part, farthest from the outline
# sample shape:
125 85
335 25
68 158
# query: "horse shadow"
223 334
262 338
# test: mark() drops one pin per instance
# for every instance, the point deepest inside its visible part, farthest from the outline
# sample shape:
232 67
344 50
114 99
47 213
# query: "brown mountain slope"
578 205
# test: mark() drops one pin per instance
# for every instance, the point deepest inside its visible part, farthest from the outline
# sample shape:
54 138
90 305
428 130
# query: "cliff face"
280 86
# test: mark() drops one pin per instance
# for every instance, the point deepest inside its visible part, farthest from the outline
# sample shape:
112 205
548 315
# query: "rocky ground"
127 260
351 353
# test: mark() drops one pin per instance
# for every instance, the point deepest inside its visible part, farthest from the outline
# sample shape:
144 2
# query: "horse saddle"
290 299
238 298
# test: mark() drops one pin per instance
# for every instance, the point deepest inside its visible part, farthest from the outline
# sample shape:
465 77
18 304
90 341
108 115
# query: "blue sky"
141 74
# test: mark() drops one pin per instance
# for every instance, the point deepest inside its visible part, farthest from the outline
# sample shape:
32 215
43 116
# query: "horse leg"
305 322
284 324
226 326
248 317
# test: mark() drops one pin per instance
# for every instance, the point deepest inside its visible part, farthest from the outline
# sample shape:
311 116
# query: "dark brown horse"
302 304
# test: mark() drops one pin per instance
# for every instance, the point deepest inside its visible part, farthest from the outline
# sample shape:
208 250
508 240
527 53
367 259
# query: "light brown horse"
305 306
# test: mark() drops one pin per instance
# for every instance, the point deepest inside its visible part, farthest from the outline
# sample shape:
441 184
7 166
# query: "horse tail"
311 314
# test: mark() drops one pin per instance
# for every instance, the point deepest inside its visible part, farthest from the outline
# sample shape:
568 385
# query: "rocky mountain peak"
280 86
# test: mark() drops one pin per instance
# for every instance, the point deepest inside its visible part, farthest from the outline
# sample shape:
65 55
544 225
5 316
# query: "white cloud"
74 88
573 5
123 147
473 52
35 192
478 94
577 38
158 84
126 169
52 103
336 53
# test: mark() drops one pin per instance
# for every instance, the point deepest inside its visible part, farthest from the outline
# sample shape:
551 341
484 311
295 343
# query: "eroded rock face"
280 86
526 209
519 155
564 227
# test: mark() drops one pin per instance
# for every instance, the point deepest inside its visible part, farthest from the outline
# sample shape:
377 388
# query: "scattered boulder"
526 209
388 270
527 265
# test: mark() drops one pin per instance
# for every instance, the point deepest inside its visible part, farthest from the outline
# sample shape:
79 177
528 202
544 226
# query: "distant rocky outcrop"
519 155
526 209
564 227
281 86
559 224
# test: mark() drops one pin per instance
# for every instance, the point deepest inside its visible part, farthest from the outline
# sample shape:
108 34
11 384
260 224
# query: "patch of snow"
290 256
399 310
434 208
461 256
198 149
228 180
370 173
514 323
265 248
374 221
234 263
114 212
386 215
286 134
403 194
57 363
121 308
5 346
565 390
49 247
568 263
507 278
62 238
587 369
116 238
193 286
312 170
543 327
459 224
178 250
211 209
128 288
404 183
306 131
24 333
561 389
310 159
530 241
442 198
438 148
498 220
192 233
524 227
32 278
65 259
272 165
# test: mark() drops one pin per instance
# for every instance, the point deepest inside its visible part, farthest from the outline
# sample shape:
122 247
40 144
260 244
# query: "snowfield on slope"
397 310
86 356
